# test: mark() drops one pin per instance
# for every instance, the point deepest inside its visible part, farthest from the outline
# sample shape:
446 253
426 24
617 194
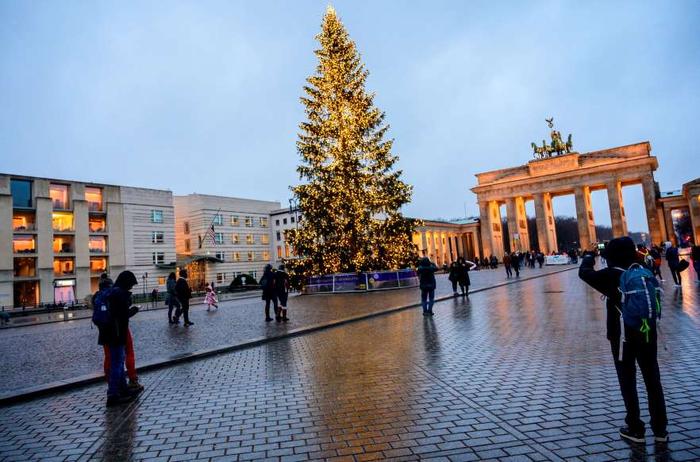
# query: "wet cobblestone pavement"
518 373
35 355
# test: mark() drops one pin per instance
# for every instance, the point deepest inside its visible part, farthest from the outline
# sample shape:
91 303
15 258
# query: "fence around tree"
361 282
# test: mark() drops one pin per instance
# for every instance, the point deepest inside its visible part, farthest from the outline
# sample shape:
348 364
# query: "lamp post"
145 277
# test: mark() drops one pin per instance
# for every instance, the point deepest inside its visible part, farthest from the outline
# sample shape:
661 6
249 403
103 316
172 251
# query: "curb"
27 394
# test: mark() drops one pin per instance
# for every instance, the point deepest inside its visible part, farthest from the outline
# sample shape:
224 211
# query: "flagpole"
211 226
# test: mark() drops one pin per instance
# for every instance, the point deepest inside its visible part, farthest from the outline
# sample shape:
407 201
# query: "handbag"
683 265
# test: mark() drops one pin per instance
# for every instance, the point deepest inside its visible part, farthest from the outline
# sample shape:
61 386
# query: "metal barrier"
361 282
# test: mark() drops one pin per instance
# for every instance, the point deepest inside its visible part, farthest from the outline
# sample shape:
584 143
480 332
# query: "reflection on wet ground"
521 372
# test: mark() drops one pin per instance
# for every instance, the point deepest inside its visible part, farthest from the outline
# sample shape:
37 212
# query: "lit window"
250 239
186 225
266 255
236 256
93 196
286 251
220 278
157 237
63 244
234 220
219 255
219 238
21 191
218 219
251 256
279 236
279 251
98 265
62 221
235 239
158 258
97 224
263 222
264 239
59 196
23 244
63 266
22 221
161 280
187 245
156 216
249 222
97 244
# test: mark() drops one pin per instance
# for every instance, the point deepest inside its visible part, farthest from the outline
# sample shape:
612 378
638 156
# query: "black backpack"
101 316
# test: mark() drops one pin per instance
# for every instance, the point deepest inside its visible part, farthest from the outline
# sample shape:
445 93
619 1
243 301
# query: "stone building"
681 214
444 241
282 220
57 236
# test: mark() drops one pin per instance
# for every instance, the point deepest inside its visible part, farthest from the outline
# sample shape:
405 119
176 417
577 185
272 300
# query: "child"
210 298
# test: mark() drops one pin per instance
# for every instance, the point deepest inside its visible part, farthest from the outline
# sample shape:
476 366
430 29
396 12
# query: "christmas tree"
351 194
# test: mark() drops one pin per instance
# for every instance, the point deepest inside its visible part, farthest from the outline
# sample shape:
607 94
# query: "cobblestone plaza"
517 372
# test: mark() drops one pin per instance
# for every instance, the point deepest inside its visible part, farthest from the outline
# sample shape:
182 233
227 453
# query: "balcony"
63 267
23 244
23 221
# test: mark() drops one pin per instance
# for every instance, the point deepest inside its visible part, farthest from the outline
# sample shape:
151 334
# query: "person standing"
171 298
454 275
426 279
184 294
695 256
620 253
267 284
515 262
464 281
507 265
210 298
540 259
655 254
115 335
673 260
282 289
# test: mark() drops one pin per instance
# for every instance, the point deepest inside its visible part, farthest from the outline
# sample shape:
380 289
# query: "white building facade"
283 220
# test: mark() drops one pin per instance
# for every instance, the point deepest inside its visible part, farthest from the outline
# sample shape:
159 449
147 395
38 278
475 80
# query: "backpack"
101 316
641 298
649 261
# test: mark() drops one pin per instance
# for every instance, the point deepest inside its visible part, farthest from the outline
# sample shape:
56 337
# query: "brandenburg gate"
558 171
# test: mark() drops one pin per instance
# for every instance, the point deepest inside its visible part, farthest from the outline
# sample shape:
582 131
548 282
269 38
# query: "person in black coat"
620 253
426 279
184 294
282 292
269 294
115 335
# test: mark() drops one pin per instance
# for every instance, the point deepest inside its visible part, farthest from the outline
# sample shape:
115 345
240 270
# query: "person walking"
454 275
115 336
655 254
282 292
507 265
426 279
673 260
464 281
515 263
540 259
267 284
210 298
171 298
695 256
183 294
620 253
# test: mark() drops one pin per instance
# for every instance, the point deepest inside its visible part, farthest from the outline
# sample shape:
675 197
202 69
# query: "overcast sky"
203 96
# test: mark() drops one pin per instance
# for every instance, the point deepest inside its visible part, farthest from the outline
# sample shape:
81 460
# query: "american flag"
209 234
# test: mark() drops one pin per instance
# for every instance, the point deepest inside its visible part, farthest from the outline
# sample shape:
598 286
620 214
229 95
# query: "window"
248 222
236 256
21 191
234 220
25 267
161 280
286 251
251 256
187 245
158 258
284 221
264 239
291 219
279 252
23 244
220 278
186 225
219 255
22 221
63 266
62 221
235 239
93 196
279 236
250 239
59 196
157 237
97 244
218 219
156 216
263 222
299 219
266 256
98 265
63 244
277 222
219 238
97 224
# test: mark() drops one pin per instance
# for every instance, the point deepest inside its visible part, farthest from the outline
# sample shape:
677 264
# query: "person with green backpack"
633 312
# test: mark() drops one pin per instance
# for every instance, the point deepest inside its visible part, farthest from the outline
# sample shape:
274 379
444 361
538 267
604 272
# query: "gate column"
584 216
546 233
617 209
649 189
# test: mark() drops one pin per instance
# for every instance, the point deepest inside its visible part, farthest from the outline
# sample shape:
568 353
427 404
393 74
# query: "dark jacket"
454 271
281 282
182 290
120 310
267 283
464 274
426 274
695 253
672 257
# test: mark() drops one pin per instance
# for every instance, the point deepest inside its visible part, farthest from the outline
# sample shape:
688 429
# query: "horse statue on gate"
557 147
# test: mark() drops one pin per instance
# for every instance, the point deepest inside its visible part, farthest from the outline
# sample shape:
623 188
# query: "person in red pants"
105 283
